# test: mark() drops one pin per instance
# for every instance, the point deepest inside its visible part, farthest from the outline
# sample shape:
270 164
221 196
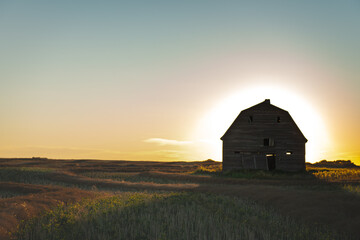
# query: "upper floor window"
278 119
269 142
251 119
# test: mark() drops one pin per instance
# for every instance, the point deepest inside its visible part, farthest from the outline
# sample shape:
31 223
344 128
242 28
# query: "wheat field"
89 199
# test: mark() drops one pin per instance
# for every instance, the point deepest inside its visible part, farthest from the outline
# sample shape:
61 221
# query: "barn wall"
295 161
243 146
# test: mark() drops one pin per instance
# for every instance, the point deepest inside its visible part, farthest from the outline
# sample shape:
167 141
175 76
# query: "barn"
264 137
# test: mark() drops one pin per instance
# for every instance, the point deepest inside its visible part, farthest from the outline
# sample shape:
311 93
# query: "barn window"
237 152
250 119
269 142
288 152
278 119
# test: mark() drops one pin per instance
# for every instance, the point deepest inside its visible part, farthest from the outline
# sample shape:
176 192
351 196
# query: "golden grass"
34 200
336 174
208 169
167 216
320 196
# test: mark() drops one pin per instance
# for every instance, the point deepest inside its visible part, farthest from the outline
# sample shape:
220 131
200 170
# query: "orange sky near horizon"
164 81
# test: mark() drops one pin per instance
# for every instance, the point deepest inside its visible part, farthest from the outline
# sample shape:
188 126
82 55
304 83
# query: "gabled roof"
265 106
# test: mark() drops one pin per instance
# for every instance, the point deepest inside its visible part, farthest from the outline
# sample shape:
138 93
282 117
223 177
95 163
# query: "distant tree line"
334 164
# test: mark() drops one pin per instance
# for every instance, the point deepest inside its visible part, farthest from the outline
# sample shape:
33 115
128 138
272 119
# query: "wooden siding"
243 143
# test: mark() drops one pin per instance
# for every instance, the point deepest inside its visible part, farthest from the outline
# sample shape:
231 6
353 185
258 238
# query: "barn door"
271 161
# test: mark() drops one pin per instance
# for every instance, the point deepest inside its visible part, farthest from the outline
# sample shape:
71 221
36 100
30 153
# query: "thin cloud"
163 142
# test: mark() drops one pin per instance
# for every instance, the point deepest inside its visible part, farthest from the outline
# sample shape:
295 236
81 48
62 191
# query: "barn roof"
265 106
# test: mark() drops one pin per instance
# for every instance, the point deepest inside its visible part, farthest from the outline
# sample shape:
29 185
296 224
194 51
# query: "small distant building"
264 137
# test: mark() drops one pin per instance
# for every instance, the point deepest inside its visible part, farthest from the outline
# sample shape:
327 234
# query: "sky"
163 80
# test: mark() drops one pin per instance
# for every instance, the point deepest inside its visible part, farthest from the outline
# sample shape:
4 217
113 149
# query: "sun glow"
218 120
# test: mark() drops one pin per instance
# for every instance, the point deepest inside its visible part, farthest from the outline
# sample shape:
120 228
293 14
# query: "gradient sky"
163 80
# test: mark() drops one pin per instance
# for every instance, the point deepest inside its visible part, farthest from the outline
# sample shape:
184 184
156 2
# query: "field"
89 199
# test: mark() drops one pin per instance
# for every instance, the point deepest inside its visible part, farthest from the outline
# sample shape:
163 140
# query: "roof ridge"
263 106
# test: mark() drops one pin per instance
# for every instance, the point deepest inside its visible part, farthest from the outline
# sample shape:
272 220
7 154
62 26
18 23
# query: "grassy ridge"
9 194
25 175
166 216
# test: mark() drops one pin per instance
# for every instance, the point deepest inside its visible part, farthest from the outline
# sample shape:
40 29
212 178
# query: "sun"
215 122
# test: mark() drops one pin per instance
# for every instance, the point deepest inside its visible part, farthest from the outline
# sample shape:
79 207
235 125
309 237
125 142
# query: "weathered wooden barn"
264 137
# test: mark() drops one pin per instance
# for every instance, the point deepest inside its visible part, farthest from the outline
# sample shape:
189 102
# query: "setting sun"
214 124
